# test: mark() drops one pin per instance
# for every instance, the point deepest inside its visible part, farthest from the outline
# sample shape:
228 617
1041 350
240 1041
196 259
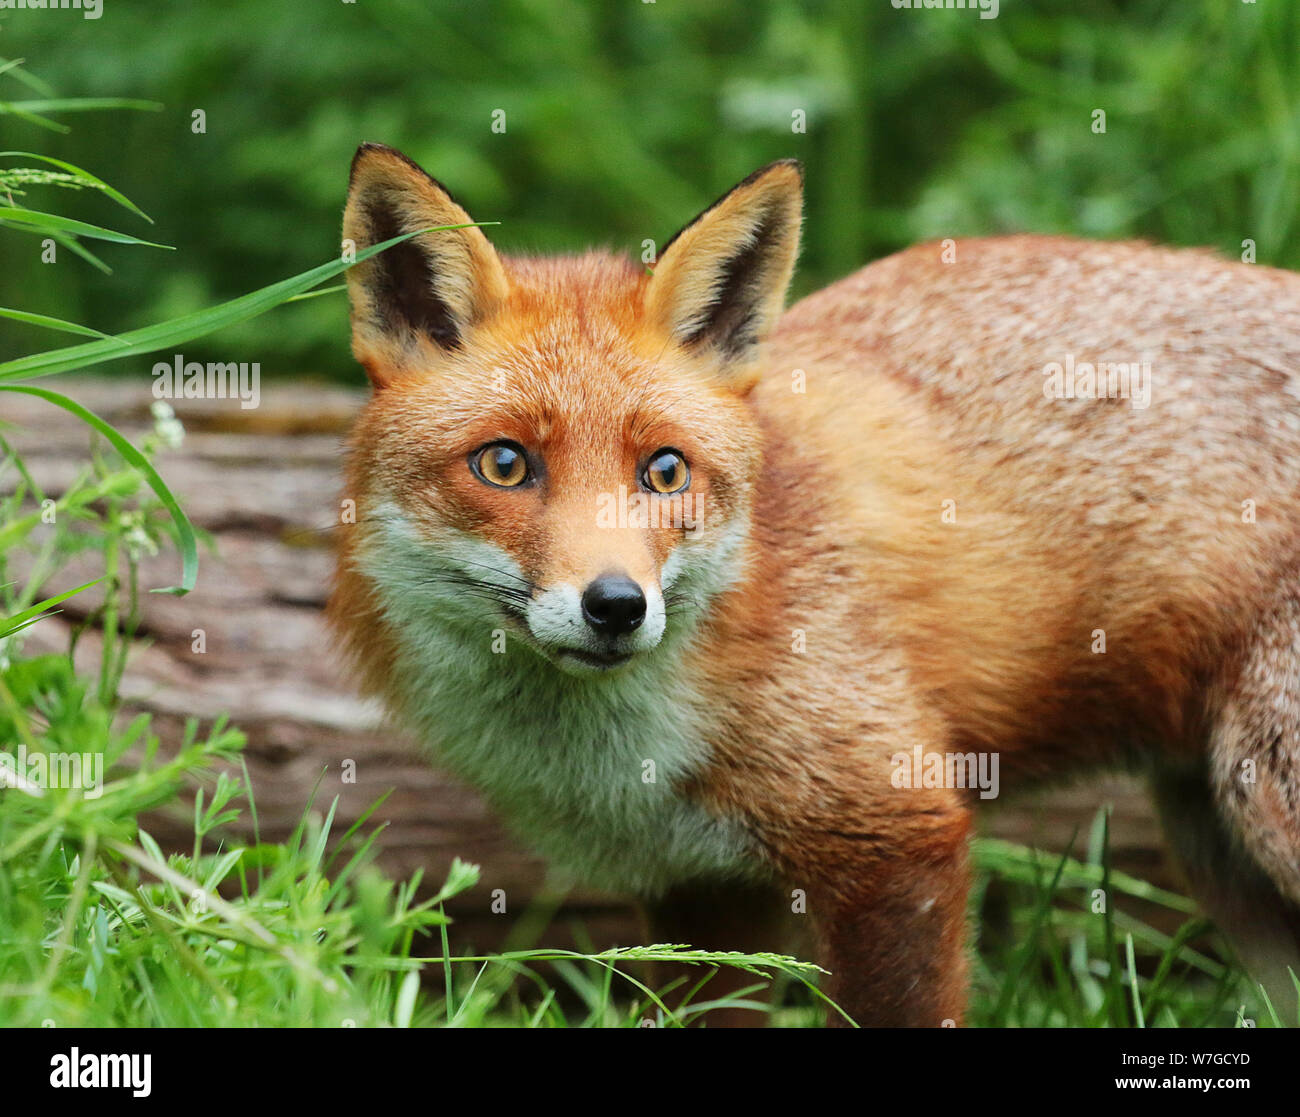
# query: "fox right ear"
720 283
414 302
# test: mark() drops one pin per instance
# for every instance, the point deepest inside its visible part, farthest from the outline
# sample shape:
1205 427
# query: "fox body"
682 583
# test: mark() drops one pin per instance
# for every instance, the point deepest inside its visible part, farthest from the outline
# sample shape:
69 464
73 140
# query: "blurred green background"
624 118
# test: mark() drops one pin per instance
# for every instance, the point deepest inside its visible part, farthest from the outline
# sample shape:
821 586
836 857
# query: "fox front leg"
893 937
749 918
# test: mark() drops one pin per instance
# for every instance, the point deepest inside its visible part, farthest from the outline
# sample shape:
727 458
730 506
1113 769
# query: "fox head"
558 448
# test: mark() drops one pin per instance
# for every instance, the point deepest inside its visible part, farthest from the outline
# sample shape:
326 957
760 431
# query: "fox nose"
613 604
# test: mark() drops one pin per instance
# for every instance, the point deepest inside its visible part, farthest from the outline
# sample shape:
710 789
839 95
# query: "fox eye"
502 464
666 472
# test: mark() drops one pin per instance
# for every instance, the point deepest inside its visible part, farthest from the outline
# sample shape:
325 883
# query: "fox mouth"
596 661
550 622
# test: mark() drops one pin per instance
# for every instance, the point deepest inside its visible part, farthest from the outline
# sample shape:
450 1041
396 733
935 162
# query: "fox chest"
587 772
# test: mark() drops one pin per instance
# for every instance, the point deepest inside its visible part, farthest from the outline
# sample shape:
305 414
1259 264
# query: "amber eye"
667 472
502 464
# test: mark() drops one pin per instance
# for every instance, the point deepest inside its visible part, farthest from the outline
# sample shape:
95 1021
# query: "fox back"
686 585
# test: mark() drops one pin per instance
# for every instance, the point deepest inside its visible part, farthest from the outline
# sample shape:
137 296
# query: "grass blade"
79 104
184 529
49 323
189 326
10 625
117 196
33 221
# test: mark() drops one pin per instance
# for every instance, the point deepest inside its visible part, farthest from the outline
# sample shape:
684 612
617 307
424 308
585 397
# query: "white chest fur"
587 770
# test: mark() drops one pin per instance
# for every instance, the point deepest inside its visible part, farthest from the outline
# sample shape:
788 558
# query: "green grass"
1067 949
100 927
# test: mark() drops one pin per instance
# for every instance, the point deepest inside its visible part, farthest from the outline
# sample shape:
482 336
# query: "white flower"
168 428
136 539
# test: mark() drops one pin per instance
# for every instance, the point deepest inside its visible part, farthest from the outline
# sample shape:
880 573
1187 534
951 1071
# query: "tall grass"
100 927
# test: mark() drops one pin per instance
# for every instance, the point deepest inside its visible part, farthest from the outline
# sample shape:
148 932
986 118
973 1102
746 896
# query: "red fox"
743 611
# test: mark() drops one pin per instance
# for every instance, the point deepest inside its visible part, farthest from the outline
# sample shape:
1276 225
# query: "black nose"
613 604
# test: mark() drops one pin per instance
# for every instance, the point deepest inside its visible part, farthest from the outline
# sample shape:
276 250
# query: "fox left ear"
721 281
416 301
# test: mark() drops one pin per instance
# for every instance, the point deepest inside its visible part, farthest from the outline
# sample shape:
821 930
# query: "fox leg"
1240 828
894 932
874 854
1255 748
878 867
1262 925
1234 822
718 916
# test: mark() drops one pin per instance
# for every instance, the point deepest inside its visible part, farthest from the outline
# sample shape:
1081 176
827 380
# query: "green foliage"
71 234
624 118
1062 947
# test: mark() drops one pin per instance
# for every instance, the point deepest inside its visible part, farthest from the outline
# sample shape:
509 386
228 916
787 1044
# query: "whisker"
502 573
510 607
508 592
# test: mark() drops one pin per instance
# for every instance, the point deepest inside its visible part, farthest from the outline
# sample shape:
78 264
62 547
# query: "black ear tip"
770 168
366 151
370 150
790 164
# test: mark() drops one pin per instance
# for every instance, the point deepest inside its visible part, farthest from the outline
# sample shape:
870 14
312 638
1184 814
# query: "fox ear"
721 281
415 301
